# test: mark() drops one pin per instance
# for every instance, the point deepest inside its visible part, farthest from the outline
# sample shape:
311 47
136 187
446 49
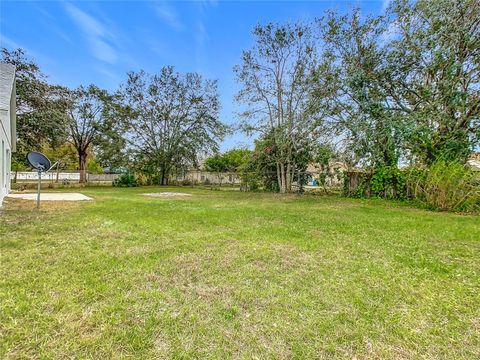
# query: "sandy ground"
166 194
51 196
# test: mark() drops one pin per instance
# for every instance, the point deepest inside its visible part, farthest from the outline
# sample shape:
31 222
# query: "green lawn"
225 274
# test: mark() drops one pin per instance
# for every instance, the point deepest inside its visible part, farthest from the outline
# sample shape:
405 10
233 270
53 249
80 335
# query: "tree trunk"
58 171
288 178
82 165
162 180
283 188
279 180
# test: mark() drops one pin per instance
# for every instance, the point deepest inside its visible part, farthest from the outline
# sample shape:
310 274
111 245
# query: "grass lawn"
224 274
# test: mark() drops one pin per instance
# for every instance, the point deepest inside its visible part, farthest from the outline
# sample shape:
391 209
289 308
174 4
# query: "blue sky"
82 42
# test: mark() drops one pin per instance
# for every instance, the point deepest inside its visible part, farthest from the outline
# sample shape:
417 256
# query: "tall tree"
350 87
274 75
235 158
110 149
92 116
435 81
41 107
229 161
174 118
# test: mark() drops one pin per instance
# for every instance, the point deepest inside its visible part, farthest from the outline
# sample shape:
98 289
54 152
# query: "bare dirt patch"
51 196
12 204
18 211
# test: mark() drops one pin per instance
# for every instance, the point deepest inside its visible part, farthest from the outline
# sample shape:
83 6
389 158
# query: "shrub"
142 179
357 184
250 180
388 182
445 186
125 180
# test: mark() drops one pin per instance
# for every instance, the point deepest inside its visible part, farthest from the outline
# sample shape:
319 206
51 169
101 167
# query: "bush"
357 184
445 186
250 181
142 179
388 182
125 180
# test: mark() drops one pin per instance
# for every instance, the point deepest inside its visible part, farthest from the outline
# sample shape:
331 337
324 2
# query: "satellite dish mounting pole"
41 163
39 187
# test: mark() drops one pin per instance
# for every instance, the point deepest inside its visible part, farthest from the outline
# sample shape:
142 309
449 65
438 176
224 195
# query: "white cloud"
201 37
12 44
385 5
391 33
7 42
50 22
201 34
99 38
109 74
168 15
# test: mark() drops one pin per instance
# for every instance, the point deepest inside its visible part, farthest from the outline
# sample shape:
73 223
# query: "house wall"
336 170
201 177
5 154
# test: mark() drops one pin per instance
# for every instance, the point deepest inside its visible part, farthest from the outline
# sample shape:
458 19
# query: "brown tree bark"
283 188
288 179
58 171
279 179
162 180
82 166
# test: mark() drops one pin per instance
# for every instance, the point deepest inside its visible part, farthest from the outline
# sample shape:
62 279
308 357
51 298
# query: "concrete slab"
51 196
166 194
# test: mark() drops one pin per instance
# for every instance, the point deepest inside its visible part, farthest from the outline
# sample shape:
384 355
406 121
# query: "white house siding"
7 126
5 155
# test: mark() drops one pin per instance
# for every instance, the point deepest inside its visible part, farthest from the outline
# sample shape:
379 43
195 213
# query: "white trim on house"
7 126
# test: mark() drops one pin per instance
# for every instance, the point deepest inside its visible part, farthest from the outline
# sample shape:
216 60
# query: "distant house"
333 174
474 161
197 176
7 125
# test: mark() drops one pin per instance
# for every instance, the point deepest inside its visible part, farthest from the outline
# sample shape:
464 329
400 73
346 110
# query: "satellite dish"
41 163
38 161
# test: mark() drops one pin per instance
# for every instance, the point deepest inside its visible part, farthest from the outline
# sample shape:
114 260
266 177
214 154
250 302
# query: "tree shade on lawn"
224 274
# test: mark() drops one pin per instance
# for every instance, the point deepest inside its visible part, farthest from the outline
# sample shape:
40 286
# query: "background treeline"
396 95
154 124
